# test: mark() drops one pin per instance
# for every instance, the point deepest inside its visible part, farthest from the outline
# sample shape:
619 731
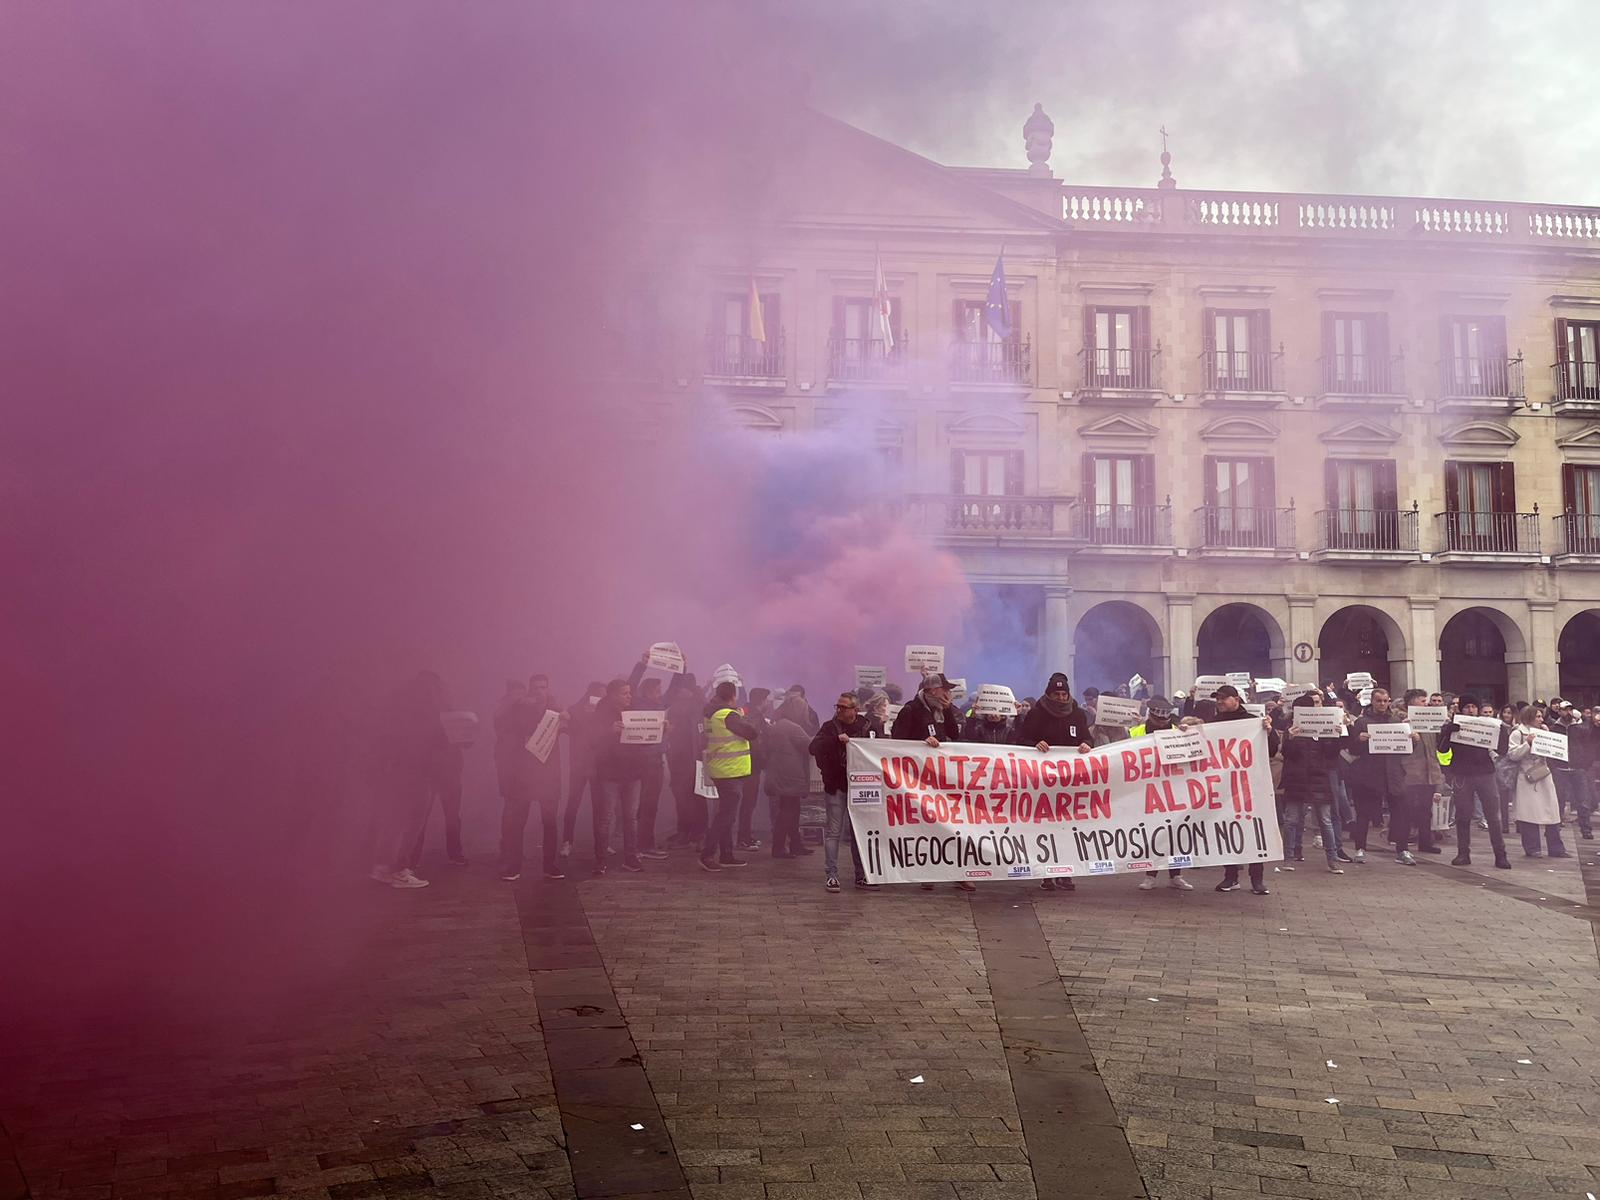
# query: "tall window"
1239 502
1362 505
1578 360
732 347
1473 356
1580 500
857 346
1117 350
981 477
1480 502
1120 495
1355 353
981 355
1237 355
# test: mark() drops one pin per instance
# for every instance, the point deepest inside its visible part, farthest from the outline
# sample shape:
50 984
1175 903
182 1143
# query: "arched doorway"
1579 652
1472 657
1237 637
1354 639
1114 642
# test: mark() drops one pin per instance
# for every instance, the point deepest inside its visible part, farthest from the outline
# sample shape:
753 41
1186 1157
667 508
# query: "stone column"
1179 659
1057 628
1546 681
1302 631
1423 669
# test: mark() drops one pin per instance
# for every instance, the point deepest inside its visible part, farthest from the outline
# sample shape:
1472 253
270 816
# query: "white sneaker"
566 849
1317 841
405 879
1179 882
1146 884
1359 856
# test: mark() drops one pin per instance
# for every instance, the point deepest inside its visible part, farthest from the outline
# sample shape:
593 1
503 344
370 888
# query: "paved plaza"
746 1036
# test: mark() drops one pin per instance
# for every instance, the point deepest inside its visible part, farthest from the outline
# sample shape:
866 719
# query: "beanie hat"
1058 680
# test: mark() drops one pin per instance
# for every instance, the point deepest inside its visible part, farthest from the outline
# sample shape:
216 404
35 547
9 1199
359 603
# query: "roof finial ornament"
1166 182
1036 134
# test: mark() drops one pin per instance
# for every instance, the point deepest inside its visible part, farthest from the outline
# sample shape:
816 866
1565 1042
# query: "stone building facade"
1289 433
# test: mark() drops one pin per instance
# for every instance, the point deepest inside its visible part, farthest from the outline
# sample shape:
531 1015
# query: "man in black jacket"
1230 707
1055 721
930 716
1376 779
1572 777
1471 773
831 749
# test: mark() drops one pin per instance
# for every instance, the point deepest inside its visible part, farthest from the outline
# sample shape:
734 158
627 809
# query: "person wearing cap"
930 716
992 728
1055 721
1472 776
1230 707
1158 717
728 738
1572 777
830 747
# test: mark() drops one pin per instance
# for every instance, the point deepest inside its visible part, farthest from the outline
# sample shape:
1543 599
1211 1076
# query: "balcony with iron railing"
964 518
1578 539
1124 529
1242 377
733 356
1485 537
1577 385
1120 375
1362 380
1367 535
1245 532
992 363
867 360
1471 383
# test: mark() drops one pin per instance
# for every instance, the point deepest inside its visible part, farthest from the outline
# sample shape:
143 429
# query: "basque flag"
996 308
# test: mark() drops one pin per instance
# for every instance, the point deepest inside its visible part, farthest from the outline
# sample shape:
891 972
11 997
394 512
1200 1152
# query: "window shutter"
1447 347
1141 329
1013 472
1378 340
1086 487
1452 488
1330 483
1016 322
1209 490
771 320
838 319
1569 488
1561 339
1328 319
958 472
1266 488
1496 329
958 321
1386 493
1261 332
1144 479
1505 487
1088 334
1208 331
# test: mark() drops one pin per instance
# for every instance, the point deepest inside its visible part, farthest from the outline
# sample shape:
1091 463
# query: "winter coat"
615 760
1042 725
831 754
1305 770
685 732
982 732
521 775
1535 803
918 721
1104 735
1468 760
1381 773
1421 768
788 762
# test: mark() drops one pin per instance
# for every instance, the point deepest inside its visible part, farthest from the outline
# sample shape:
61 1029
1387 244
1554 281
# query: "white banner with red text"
975 812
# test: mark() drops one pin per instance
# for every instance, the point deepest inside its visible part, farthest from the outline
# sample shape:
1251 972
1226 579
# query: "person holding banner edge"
830 748
1055 721
1158 716
931 717
1230 707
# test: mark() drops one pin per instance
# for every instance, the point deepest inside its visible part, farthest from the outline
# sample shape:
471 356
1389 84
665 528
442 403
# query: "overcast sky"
1455 98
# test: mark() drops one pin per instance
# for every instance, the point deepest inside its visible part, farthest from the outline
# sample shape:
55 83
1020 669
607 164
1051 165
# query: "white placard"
1180 745
665 656
1240 680
544 736
995 700
958 690
1427 718
1263 686
1137 682
643 727
1319 723
702 782
1206 684
872 677
1114 710
1391 738
924 658
460 727
726 674
1359 680
891 711
1256 710
1364 698
1549 744
1483 732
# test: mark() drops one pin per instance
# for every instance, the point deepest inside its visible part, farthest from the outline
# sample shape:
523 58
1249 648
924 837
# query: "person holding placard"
1230 707
525 781
1472 776
1534 804
685 741
1377 779
619 768
1306 786
1422 785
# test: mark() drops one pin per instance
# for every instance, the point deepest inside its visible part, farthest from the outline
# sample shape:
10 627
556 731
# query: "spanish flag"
758 326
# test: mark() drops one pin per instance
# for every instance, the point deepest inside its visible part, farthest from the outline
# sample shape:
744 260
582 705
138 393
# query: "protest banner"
995 700
1206 684
1319 722
665 656
544 736
1391 738
958 690
1427 718
922 815
922 659
1240 680
702 782
872 677
1271 687
460 727
1547 743
1179 746
643 727
1483 732
1114 710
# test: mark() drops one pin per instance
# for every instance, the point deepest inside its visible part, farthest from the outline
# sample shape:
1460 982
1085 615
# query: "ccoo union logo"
1140 866
980 874
1060 869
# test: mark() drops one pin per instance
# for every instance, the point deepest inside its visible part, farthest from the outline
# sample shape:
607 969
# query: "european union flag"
996 308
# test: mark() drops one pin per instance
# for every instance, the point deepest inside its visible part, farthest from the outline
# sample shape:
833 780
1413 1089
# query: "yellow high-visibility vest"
727 756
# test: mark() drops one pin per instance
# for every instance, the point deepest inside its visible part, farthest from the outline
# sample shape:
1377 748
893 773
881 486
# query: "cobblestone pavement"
1388 1032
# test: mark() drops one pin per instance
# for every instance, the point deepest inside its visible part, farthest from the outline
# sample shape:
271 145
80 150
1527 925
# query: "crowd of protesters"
724 746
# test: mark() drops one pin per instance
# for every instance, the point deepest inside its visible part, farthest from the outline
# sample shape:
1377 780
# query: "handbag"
1536 771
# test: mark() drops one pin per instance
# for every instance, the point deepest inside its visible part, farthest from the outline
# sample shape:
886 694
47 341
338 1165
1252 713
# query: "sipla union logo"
1020 871
980 874
1103 867
1179 861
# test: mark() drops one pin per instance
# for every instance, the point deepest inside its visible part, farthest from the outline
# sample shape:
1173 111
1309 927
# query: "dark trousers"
689 804
514 825
1412 816
1552 838
1258 872
650 800
580 775
1369 810
1488 794
747 807
448 796
786 825
1574 788
718 841
613 800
